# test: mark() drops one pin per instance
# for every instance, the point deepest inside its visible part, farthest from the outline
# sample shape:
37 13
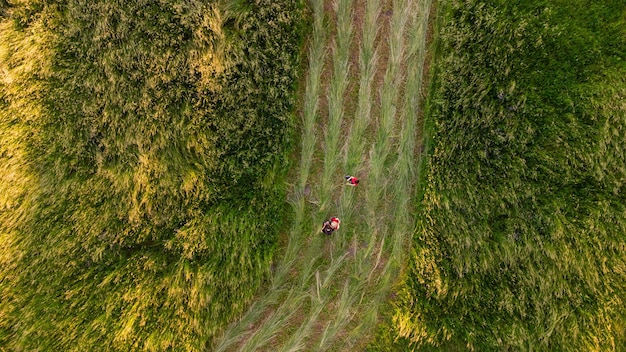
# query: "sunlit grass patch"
145 148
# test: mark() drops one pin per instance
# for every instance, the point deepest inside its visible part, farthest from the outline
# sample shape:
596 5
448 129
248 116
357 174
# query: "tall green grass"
368 58
312 91
278 292
143 156
335 97
521 230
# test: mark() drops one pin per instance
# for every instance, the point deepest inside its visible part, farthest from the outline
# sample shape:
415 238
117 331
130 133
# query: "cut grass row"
276 292
330 299
144 145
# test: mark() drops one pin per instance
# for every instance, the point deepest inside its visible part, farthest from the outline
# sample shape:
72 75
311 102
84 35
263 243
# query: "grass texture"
520 240
143 154
327 292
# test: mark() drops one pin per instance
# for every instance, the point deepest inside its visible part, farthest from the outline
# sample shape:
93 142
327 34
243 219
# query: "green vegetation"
143 154
327 293
143 160
522 223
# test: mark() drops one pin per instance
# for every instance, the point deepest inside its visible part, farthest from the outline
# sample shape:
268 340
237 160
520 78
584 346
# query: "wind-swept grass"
389 94
312 91
356 141
522 220
336 90
276 292
405 168
145 153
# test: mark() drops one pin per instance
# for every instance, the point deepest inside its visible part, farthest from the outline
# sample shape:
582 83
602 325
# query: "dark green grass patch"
522 227
143 167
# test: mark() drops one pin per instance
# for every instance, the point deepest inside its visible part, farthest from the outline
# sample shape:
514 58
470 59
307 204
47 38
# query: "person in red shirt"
352 181
331 225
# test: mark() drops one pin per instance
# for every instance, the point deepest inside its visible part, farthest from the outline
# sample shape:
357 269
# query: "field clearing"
360 117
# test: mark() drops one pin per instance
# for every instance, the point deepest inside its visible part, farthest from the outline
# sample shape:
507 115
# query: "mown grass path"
359 116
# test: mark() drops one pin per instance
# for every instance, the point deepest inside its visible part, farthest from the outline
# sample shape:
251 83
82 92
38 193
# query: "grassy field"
143 153
135 212
145 161
522 222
